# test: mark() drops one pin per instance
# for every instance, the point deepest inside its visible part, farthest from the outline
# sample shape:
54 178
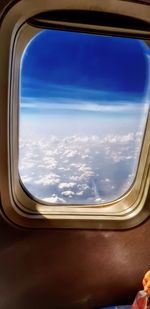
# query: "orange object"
146 282
142 299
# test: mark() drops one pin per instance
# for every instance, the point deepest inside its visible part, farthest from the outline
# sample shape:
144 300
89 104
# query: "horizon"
84 101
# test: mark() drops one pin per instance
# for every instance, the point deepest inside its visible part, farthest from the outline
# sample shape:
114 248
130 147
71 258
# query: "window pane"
83 109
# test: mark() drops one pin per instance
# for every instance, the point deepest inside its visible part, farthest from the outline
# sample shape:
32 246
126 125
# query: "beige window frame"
16 204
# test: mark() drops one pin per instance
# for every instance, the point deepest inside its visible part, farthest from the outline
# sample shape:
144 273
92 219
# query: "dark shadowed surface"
71 269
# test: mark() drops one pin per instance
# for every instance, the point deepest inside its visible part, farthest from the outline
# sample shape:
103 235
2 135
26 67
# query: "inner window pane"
83 107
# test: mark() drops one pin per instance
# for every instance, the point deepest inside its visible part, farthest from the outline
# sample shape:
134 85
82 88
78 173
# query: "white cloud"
90 106
68 193
80 193
50 179
65 185
107 180
99 200
79 169
26 179
54 199
120 139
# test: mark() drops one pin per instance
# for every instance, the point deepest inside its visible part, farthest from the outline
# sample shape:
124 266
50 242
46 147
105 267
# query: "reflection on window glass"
83 108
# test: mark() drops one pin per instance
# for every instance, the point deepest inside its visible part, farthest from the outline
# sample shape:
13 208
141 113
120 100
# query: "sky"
83 105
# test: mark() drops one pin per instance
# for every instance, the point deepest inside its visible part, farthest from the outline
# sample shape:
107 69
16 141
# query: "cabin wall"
71 268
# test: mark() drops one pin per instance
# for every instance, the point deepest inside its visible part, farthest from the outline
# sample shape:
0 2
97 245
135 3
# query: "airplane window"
83 109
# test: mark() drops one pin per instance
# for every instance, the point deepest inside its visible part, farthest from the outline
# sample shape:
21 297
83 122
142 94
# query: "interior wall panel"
71 268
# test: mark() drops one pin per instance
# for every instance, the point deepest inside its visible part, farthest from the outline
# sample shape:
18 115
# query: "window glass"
83 107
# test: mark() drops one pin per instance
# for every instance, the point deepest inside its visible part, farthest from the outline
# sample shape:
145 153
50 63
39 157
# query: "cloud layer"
79 169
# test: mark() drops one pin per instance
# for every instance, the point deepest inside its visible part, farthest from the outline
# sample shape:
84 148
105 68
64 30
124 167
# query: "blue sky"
67 67
83 83
84 102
